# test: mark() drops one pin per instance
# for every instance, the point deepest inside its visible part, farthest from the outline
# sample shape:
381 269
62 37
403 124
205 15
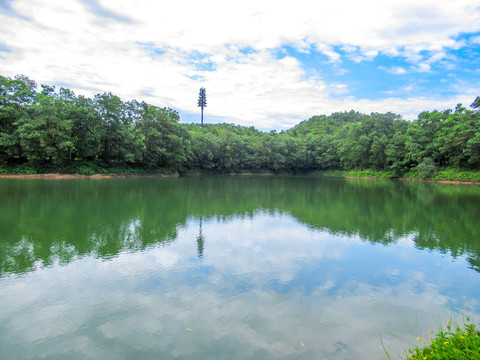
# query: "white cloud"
423 67
397 70
327 50
66 42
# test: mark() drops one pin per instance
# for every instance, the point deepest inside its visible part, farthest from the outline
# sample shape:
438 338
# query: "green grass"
366 173
369 173
456 342
450 174
458 175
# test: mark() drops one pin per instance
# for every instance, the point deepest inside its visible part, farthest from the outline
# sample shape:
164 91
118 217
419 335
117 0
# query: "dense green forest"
54 130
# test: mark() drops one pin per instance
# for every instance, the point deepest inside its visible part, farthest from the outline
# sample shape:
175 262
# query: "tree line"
49 129
52 128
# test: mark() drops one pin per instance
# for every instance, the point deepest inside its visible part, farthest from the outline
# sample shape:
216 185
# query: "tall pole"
202 100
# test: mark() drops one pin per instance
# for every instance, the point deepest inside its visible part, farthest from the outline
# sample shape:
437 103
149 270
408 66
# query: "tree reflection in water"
43 222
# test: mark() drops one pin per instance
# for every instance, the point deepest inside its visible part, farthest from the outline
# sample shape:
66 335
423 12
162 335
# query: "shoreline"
58 176
452 182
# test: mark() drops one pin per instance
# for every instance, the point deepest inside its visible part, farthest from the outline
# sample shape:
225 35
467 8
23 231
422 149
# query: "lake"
239 267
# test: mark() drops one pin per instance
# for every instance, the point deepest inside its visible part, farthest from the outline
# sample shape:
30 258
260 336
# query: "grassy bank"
448 175
439 175
459 342
374 174
92 168
84 168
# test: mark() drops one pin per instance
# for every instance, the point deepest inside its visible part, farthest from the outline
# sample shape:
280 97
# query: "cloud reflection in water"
264 285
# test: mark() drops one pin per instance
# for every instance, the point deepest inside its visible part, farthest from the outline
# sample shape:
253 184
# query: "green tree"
44 136
395 151
115 131
473 151
86 128
16 95
452 138
420 136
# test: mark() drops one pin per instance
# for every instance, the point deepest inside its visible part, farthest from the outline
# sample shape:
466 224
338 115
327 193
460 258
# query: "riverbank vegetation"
50 130
455 342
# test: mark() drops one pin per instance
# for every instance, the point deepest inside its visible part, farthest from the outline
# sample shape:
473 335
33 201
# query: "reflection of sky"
265 285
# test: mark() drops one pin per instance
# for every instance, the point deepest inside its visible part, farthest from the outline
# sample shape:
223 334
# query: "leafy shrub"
426 169
371 173
18 170
455 174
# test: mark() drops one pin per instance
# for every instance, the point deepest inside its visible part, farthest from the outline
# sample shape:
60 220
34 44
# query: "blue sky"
268 64
384 74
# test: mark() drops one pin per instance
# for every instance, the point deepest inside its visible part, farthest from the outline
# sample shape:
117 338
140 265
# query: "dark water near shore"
232 267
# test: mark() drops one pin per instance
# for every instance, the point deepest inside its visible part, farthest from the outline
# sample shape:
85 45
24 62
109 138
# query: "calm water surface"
232 267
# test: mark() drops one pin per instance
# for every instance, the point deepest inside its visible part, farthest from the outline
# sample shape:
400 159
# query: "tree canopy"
55 129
